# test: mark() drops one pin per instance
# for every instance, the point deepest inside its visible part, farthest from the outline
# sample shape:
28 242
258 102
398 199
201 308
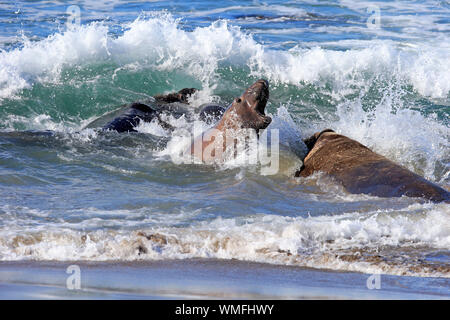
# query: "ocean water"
75 194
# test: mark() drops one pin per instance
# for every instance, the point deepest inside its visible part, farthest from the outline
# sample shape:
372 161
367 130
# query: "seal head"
246 112
249 107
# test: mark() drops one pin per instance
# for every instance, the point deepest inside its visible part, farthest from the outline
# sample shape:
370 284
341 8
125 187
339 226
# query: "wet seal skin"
132 115
246 112
360 170
180 96
129 116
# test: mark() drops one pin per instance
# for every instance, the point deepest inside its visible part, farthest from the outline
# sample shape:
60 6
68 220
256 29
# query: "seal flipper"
180 96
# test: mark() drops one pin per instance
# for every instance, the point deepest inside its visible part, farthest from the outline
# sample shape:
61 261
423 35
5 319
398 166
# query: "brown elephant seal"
361 170
246 112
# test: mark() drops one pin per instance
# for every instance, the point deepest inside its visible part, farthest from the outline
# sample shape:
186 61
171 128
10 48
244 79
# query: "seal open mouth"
257 95
249 107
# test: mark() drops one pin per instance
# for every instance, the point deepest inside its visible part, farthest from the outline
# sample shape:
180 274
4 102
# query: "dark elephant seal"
246 112
128 116
361 170
132 116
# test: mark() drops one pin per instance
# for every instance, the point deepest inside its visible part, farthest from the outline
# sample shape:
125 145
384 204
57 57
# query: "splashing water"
70 193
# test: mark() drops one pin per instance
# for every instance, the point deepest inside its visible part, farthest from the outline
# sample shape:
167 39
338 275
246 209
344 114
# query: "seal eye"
238 100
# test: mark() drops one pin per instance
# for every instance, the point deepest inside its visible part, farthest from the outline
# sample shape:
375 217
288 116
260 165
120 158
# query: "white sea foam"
320 242
152 127
158 42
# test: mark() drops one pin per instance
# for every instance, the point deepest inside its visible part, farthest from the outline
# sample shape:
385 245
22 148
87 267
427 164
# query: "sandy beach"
204 279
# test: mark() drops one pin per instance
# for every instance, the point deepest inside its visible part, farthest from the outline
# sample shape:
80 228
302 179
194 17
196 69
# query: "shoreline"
204 279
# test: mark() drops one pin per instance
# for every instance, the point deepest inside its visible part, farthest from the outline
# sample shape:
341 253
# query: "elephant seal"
128 116
132 116
246 112
361 170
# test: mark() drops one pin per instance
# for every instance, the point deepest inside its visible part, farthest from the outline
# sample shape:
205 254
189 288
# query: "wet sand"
204 279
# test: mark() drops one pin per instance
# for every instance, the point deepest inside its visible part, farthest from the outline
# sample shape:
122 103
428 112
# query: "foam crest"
426 68
44 60
321 242
158 42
